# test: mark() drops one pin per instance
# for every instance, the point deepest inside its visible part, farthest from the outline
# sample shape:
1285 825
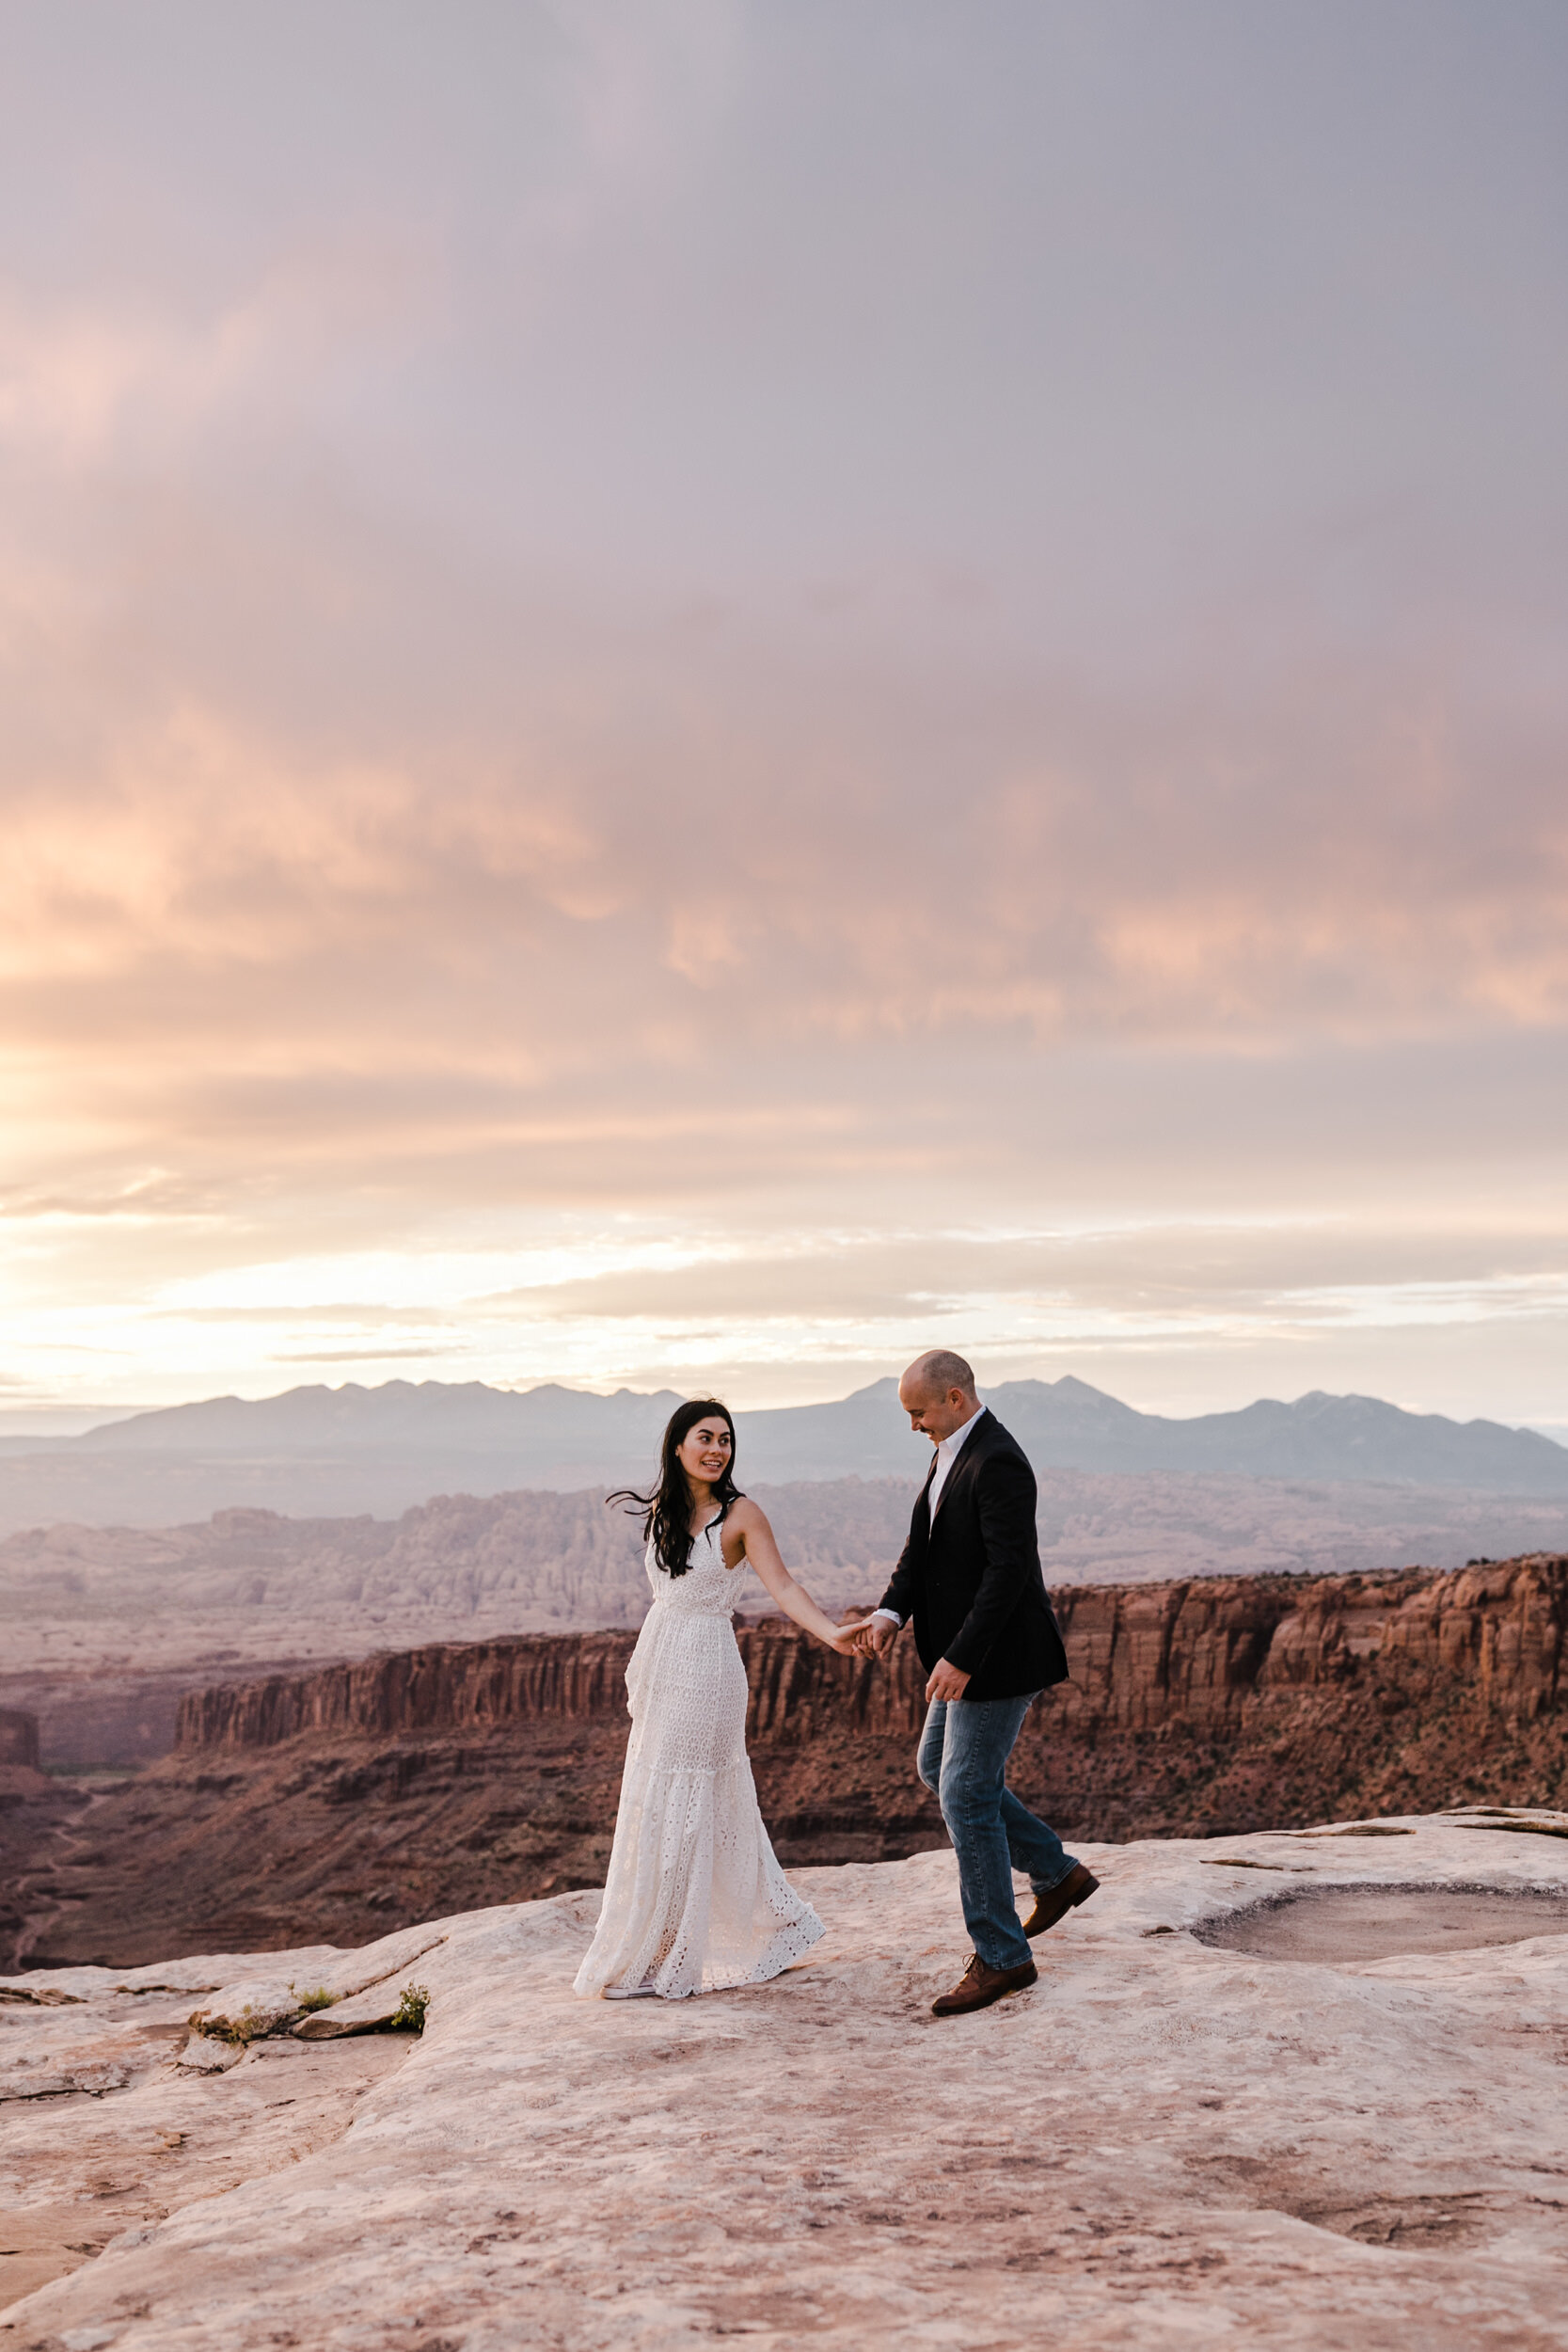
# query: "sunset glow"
699 694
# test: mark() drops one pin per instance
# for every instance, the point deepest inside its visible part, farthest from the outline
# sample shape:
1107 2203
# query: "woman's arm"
749 1522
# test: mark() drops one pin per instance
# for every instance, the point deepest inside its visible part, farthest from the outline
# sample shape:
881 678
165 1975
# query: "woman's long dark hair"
666 1508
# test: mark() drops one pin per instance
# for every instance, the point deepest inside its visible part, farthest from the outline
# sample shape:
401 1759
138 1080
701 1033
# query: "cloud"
767 630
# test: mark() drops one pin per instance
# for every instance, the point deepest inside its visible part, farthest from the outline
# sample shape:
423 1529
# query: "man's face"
935 1412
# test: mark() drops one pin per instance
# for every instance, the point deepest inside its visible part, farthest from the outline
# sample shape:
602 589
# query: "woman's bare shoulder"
745 1525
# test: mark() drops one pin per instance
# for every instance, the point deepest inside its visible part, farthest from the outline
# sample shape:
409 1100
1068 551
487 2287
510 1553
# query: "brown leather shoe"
1078 1885
979 1986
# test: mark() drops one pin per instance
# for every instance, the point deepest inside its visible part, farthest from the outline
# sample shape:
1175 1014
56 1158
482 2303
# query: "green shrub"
240 2029
408 2017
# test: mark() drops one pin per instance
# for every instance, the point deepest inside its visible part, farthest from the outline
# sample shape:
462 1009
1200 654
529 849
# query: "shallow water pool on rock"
1345 1924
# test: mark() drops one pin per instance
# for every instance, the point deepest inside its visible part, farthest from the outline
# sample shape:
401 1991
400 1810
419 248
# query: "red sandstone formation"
326 1805
106 1628
1199 1652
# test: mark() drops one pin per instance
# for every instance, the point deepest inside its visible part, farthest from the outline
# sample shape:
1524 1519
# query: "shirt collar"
951 1443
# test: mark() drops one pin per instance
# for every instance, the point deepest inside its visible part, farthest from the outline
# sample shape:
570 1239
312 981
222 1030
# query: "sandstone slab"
1164 2142
322 1984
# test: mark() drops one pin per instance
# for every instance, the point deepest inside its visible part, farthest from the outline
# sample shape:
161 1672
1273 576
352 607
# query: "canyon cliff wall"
328 1805
105 1627
1197 1652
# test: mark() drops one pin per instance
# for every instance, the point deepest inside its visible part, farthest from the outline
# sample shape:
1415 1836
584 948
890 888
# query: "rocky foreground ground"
1290 2089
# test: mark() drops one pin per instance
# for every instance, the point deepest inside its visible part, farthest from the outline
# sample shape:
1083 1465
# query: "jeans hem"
1025 1955
1071 1866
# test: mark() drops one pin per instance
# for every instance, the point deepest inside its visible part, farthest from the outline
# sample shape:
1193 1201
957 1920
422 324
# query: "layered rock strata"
400 1786
107 1627
1196 1651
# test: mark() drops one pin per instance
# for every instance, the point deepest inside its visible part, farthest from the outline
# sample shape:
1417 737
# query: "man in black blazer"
970 1577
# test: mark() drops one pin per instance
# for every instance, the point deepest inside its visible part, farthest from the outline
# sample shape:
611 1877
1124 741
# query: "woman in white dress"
695 1898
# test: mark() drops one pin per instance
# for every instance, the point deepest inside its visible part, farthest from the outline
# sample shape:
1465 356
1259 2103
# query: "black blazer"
972 1581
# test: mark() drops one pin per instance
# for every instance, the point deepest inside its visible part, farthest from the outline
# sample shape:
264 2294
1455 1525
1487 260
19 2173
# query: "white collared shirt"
947 1453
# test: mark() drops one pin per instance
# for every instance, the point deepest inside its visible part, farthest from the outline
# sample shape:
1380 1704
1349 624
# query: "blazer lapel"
968 1454
923 1500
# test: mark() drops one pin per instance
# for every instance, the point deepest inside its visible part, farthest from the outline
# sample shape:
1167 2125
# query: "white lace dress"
695 1898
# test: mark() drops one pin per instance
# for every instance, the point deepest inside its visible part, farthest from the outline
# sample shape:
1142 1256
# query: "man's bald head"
941 1370
938 1393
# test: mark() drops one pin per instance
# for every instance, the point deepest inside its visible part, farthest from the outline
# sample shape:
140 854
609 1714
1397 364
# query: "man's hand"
946 1682
876 1636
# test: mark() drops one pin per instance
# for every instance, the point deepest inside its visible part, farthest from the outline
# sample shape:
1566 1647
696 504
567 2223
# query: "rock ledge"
1165 2142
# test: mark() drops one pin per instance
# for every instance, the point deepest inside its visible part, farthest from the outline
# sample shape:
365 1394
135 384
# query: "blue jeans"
962 1757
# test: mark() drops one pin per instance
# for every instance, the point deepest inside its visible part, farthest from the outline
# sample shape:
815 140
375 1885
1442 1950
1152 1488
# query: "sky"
698 693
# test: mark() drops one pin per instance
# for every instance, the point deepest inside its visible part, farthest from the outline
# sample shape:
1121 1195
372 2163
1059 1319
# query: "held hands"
874 1637
868 1637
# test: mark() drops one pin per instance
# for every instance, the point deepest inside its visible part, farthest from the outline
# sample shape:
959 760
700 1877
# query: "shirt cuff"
890 1615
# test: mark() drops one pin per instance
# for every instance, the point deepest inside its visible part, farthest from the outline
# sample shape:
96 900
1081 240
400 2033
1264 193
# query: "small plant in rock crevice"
408 2016
320 1998
247 2026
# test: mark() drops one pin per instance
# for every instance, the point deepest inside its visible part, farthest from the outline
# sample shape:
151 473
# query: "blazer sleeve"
1005 1497
899 1596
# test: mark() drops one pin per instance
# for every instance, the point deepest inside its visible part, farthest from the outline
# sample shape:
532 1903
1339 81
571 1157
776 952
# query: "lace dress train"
695 1899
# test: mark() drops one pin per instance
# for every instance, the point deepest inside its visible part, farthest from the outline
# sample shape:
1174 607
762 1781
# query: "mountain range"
318 1450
